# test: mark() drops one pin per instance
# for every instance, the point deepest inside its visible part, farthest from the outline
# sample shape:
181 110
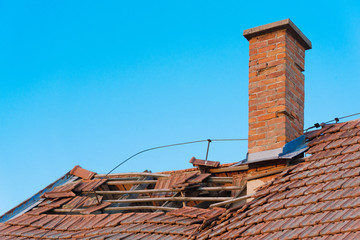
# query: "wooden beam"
72 210
231 201
229 169
269 173
210 179
162 199
139 208
219 179
230 188
132 182
132 174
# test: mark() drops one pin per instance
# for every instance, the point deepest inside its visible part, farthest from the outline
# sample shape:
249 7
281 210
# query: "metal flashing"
289 151
264 155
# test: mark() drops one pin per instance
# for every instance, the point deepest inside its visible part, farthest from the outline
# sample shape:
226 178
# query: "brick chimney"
276 85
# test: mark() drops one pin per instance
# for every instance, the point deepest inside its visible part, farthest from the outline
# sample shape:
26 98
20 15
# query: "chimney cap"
283 24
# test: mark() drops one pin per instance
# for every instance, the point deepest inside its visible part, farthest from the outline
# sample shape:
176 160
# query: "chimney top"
283 24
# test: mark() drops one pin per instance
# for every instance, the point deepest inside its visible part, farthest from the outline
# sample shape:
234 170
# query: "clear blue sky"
92 82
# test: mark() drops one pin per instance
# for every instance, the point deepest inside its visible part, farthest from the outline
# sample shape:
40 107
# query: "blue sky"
92 82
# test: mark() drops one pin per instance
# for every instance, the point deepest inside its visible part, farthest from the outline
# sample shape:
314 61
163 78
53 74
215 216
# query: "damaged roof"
317 197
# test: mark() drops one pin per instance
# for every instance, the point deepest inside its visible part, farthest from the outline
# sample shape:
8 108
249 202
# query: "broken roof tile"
95 208
205 163
82 173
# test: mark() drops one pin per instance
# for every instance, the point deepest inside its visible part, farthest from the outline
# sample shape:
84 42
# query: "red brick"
257 45
276 84
267 48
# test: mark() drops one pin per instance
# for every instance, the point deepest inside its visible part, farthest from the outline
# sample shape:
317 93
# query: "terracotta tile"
121 228
337 227
315 208
91 222
336 236
318 164
140 227
331 137
68 222
311 199
79 225
349 133
298 183
335 152
82 173
332 195
316 218
314 135
278 197
318 148
354 172
352 236
67 187
350 125
76 202
334 185
335 175
352 183
90 185
187 230
239 223
351 141
337 204
351 149
112 220
58 194
316 156
351 156
268 216
353 225
316 188
351 214
119 236
351 193
95 208
351 164
294 233
268 228
11 229
311 231
35 233
335 144
296 202
335 127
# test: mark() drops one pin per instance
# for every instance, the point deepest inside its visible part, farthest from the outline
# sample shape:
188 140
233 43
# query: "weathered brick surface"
276 90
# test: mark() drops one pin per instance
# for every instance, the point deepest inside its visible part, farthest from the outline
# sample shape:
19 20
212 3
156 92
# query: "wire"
336 120
171 145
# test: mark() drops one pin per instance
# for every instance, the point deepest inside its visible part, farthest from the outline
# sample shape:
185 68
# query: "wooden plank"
64 210
132 182
219 180
229 169
209 179
231 201
139 208
269 173
131 174
230 188
139 200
